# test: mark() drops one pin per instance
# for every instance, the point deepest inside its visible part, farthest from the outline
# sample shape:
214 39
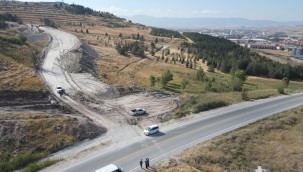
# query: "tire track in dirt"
53 73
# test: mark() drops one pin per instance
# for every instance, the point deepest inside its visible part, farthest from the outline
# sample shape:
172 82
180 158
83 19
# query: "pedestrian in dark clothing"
141 163
147 161
146 164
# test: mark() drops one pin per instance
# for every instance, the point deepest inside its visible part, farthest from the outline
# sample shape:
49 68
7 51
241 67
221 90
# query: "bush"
2 24
12 40
20 161
209 105
49 22
10 17
280 89
165 33
22 38
244 95
38 166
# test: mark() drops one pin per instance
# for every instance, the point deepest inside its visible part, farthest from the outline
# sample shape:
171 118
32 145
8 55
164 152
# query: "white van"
151 130
110 168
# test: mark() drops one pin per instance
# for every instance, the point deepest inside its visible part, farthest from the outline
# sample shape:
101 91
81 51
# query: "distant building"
263 46
297 53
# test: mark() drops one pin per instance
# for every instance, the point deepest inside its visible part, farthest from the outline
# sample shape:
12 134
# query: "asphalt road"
170 142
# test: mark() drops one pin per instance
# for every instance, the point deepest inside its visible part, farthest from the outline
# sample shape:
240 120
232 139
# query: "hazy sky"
290 10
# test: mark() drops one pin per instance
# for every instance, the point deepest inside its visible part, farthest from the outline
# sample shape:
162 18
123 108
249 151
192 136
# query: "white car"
59 90
110 168
138 111
151 130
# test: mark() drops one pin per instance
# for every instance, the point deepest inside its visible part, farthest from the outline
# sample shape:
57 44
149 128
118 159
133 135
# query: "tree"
211 68
142 38
166 77
200 74
152 45
50 23
87 31
280 90
22 38
240 74
236 84
244 95
184 84
152 81
187 63
166 59
285 82
152 52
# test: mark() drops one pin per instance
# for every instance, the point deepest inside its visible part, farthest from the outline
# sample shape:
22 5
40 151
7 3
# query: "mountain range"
185 23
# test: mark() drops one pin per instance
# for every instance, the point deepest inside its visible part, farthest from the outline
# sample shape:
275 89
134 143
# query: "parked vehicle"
151 130
138 111
60 90
110 168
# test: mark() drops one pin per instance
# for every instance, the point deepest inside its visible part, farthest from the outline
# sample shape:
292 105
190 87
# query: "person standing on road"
141 163
146 163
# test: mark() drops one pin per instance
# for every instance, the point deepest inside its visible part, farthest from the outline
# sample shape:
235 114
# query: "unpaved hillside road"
54 72
101 102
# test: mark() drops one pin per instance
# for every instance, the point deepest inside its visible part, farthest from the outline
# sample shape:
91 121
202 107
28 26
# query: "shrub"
38 166
22 38
20 161
50 23
209 105
244 95
280 89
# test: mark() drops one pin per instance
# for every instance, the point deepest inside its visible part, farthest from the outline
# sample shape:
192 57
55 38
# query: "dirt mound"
50 133
88 60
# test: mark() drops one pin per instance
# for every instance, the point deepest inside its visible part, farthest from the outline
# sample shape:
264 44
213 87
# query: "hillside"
160 66
32 13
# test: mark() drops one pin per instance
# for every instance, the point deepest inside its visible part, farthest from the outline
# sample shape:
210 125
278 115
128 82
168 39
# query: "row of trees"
8 17
79 9
135 48
228 57
163 80
165 33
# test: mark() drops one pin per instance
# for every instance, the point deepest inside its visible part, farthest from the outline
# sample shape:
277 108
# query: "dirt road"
59 59
94 99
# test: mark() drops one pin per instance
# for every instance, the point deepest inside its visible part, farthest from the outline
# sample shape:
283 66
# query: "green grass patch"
19 161
202 103
40 165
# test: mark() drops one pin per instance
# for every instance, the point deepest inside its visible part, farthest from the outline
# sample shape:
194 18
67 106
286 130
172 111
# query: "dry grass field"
17 64
274 143
276 55
119 70
29 136
294 31
132 71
